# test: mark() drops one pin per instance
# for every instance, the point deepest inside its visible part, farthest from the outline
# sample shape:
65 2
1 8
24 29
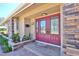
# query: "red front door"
48 29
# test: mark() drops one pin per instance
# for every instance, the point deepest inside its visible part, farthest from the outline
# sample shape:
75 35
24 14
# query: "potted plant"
25 37
16 38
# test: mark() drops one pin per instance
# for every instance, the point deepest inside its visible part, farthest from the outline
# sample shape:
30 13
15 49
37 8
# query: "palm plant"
16 38
25 37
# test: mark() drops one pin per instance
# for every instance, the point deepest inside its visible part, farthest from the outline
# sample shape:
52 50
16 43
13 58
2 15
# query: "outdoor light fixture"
44 14
27 25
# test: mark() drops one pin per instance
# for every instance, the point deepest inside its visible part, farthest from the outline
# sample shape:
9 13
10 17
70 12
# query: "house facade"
45 22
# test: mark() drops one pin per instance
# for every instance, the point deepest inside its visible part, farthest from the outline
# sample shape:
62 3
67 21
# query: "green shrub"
25 37
5 45
6 48
3 41
16 38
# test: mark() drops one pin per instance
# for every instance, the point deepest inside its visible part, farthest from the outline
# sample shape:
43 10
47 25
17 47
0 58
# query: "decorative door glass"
54 25
43 26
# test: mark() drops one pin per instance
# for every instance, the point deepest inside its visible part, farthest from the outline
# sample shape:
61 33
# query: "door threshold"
48 44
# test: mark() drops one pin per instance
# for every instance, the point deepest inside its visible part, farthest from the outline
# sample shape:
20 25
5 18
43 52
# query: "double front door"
48 29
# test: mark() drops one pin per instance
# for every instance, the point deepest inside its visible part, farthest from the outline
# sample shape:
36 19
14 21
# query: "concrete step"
20 44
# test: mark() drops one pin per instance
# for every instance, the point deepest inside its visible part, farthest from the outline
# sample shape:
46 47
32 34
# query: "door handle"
48 31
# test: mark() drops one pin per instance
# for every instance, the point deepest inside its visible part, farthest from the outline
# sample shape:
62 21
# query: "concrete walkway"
19 52
1 50
33 49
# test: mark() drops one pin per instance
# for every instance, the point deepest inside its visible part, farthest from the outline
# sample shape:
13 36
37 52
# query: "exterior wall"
27 29
71 29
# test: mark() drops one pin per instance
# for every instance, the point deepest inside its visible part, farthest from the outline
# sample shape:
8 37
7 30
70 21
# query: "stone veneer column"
10 28
33 34
71 28
16 25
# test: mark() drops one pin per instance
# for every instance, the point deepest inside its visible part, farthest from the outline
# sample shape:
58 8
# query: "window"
43 26
54 25
36 26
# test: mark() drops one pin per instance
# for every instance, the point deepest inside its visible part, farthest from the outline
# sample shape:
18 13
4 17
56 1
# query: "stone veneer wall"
10 28
71 28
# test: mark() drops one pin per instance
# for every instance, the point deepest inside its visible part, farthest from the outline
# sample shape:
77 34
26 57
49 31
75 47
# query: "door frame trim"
49 16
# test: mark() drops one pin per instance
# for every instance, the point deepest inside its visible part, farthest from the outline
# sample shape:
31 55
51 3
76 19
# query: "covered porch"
27 24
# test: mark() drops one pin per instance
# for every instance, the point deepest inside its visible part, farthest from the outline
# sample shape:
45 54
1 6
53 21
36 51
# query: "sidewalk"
19 52
0 50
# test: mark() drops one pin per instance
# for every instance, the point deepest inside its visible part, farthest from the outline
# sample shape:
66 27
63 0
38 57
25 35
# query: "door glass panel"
54 25
43 26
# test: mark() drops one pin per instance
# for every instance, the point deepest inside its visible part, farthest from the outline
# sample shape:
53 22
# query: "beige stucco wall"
27 29
33 28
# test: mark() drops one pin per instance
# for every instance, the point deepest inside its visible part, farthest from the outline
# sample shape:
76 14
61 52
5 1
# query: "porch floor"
43 50
34 49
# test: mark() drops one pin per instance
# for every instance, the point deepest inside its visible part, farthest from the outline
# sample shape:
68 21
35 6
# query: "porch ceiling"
37 8
50 11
